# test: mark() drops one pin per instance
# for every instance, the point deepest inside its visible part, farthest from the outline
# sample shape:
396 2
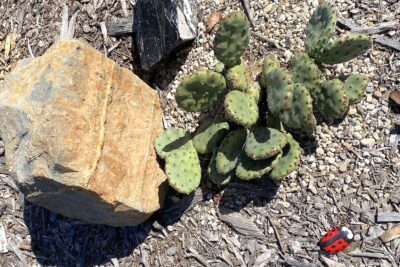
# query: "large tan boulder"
79 132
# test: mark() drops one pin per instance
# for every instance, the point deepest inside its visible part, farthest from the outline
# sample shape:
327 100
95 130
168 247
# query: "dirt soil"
349 173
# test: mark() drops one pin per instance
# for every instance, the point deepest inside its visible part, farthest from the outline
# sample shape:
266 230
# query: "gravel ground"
349 174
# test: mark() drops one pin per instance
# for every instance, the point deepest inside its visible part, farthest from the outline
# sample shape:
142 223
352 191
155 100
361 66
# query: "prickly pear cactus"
289 160
215 176
270 62
210 135
232 38
255 91
248 168
331 99
230 150
200 91
236 77
241 108
280 90
264 142
170 140
300 115
355 85
305 71
320 28
219 67
344 49
183 169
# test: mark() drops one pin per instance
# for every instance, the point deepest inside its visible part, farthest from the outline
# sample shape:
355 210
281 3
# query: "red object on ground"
336 240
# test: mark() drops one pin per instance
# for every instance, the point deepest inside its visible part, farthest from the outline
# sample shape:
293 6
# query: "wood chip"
391 234
120 26
383 40
331 263
239 223
213 19
368 255
388 217
395 97
294 263
3 239
249 14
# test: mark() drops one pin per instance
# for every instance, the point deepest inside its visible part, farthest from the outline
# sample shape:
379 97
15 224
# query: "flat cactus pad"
264 142
210 135
331 99
170 140
183 169
248 168
200 91
289 160
355 85
241 108
305 71
214 175
279 91
230 150
232 38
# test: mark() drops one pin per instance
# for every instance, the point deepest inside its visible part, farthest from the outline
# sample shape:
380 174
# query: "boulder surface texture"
79 132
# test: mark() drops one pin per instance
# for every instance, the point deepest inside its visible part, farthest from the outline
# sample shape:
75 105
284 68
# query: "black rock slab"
161 26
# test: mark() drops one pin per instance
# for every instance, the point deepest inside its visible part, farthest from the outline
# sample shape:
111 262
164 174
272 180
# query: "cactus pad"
236 77
255 91
270 62
248 169
344 49
263 143
290 159
209 136
280 90
331 99
201 91
320 28
241 108
170 140
230 150
215 176
300 115
355 85
219 67
183 169
305 71
232 38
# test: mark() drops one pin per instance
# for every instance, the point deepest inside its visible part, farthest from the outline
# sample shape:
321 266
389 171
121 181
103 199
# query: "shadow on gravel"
60 241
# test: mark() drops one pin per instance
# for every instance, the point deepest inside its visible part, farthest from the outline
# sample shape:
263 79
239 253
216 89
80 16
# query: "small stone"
377 94
320 151
281 18
357 135
319 206
295 246
357 237
368 142
171 251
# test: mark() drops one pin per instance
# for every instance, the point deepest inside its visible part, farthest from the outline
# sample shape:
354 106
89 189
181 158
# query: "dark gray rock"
161 26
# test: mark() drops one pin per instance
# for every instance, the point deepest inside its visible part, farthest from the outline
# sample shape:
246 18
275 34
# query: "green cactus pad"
183 169
344 49
355 85
232 38
305 71
280 90
289 161
215 176
255 91
236 77
170 140
300 115
270 62
219 67
230 150
241 108
263 143
248 168
209 136
201 91
331 99
320 28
